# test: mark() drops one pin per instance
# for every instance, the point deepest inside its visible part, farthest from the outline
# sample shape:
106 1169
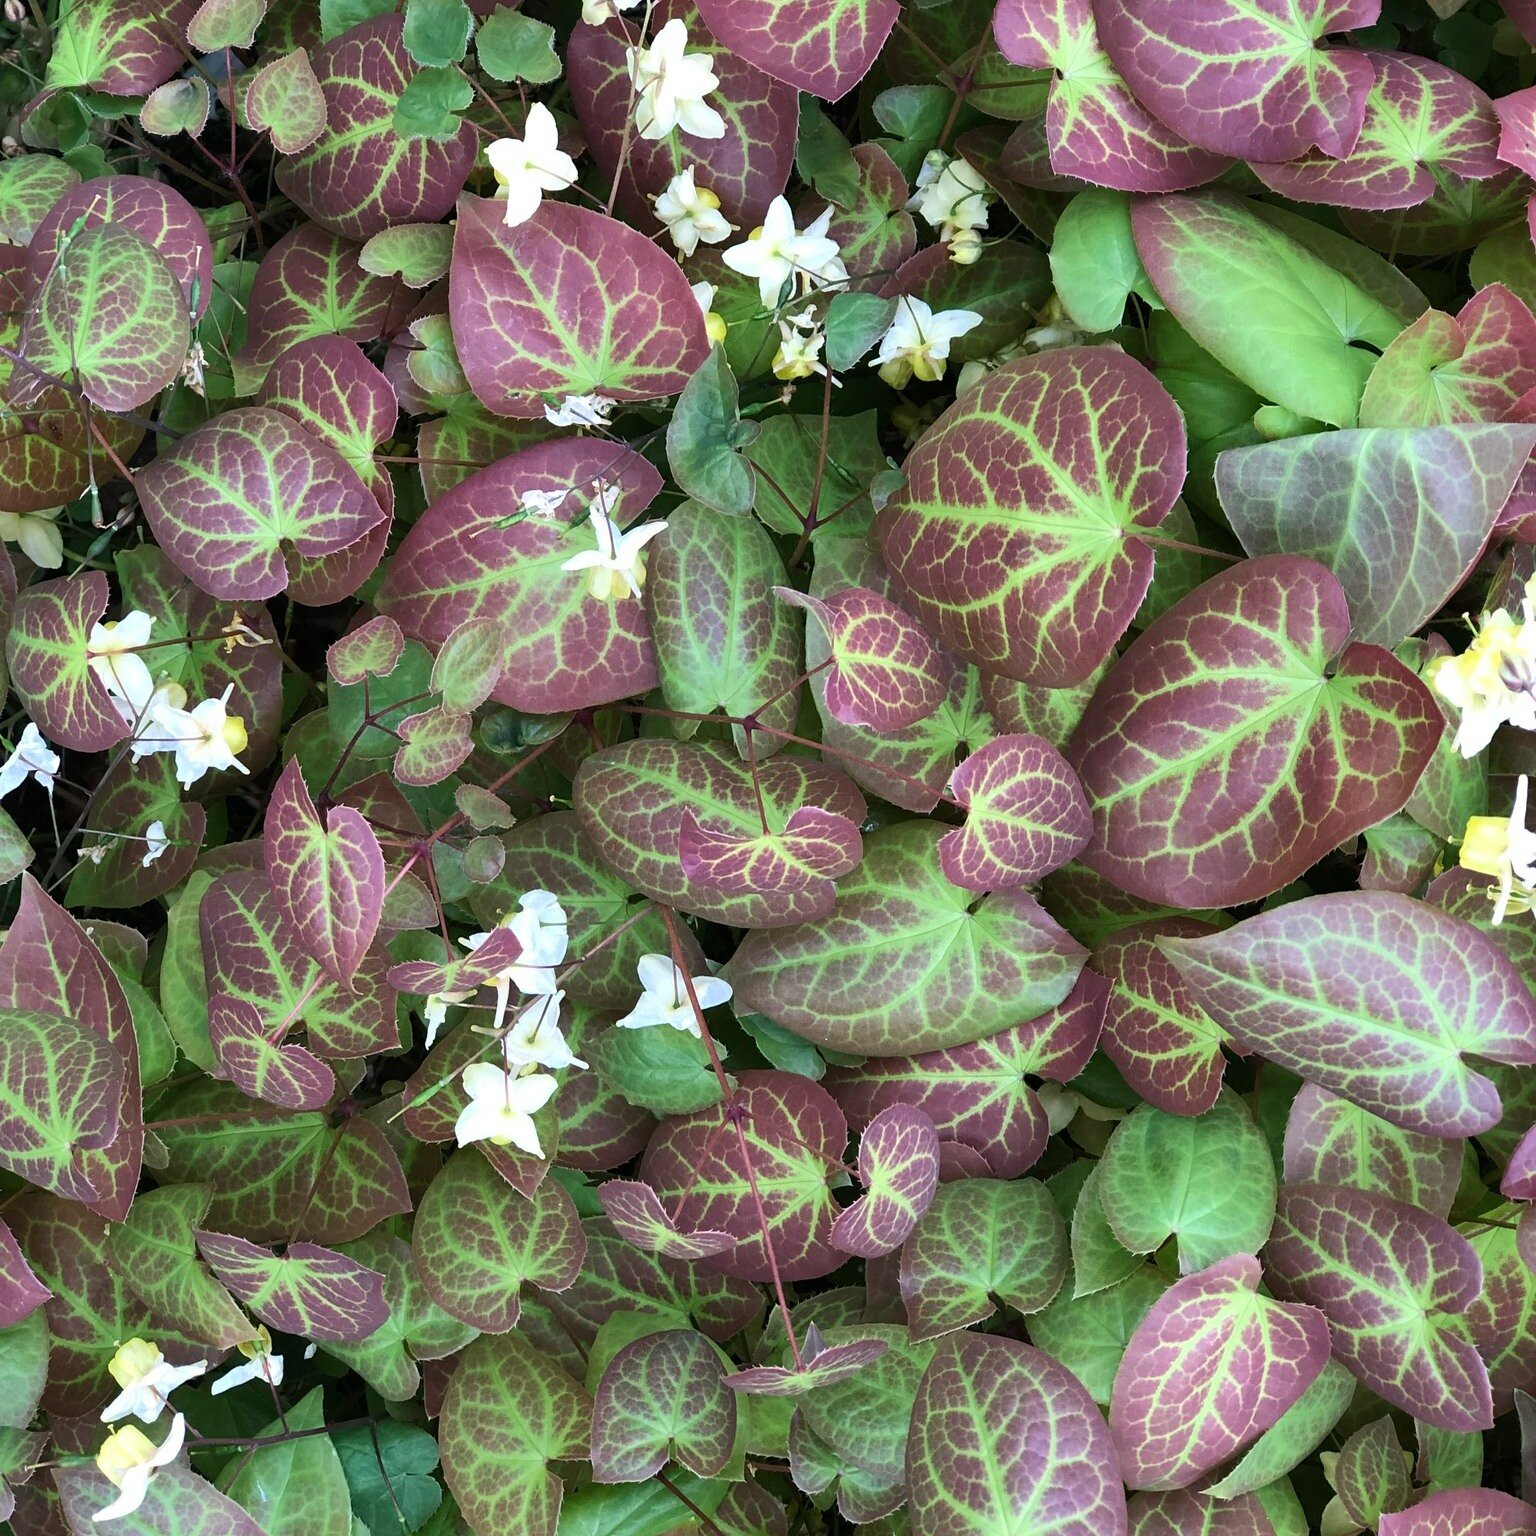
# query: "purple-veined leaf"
264 1068
1463 1512
371 650
1395 1284
509 1412
476 1240
1023 535
310 1291
632 800
1095 128
231 499
978 1095
29 186
1398 514
327 874
177 1503
284 99
1026 815
1372 996
462 560
1246 80
746 168
884 671
21 1292
640 1218
799 865
824 47
569 303
45 649
1371 1474
1211 1367
1502 1321
980 1242
1444 369
1422 121
875 233
1459 214
1519 1180
905 961
1165 1045
360 175
795 1137
118 46
899 1168
1005 1440
662 1397
1240 738
822 1365
1329 1140
1198 1514
128 801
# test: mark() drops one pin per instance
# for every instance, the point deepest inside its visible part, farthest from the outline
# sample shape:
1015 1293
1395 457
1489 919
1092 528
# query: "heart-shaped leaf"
899 1168
1463 1512
284 99
263 1067
801 862
640 1218
45 649
118 47
313 1292
825 46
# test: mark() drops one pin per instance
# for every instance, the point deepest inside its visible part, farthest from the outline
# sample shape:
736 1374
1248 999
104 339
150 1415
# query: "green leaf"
183 977
417 253
823 158
430 104
1094 262
704 437
1089 1333
512 46
664 1070
855 322
295 1487
436 35
338 16
640 1509
1293 1437
23 1368
388 1468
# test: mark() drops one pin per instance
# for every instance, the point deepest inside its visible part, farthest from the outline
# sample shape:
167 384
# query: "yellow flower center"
236 738
123 1450
133 1362
1485 845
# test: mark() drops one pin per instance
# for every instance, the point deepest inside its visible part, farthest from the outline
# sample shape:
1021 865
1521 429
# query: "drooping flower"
714 324
670 86
1493 681
260 1365
155 843
112 652
205 739
776 252
146 1378
596 12
952 196
129 1460
501 1107
691 213
32 758
665 998
799 354
38 535
580 411
535 1039
617 564
531 166
1505 849
917 341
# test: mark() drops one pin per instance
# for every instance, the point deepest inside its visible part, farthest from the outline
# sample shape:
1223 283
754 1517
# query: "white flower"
714 325
670 86
501 1107
205 739
541 503
535 1039
691 214
618 562
1493 681
950 195
540 928
146 1378
167 698
434 1011
532 165
665 999
260 1365
32 756
111 650
917 341
799 354
38 535
155 843
580 411
129 1459
776 252
964 246
1505 849
596 12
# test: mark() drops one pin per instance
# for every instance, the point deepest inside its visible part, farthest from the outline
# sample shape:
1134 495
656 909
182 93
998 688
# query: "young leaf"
899 1167
704 437
313 1292
511 46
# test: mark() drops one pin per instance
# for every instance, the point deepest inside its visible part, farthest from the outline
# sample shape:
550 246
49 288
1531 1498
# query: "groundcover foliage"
765 767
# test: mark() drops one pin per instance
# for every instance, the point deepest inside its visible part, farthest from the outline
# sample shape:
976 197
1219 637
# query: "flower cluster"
1493 681
952 197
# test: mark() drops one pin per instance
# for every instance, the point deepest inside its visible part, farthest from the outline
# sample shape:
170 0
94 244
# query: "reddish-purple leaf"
899 1168
1463 1512
261 1066
640 1218
822 46
21 1292
662 1397
1242 79
823 1366
373 649
434 745
1210 1367
1015 538
1394 1284
310 1291
1240 738
799 864
361 175
177 1502
460 972
121 47
569 303
327 875
1198 1514
1519 1181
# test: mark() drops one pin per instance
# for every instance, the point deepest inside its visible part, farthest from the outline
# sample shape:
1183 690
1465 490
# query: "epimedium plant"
766 768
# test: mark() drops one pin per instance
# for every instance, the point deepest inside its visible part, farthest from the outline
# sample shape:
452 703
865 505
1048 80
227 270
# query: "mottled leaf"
310 1291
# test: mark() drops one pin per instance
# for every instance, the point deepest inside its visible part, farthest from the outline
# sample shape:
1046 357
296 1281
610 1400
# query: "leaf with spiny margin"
1502 1321
1089 1334
21 1294
800 864
1026 815
117 46
1444 369
884 672
434 745
30 185
1463 1512
327 874
177 1501
23 1369
1246 80
1262 304
1017 538
1096 130
1398 514
463 559
1372 996
662 1397
1370 1474
1206 1180
315 1293
296 1487
824 47
640 1218
371 650
632 800
899 1168
476 1240
1182 753
418 254
509 1412
1005 1442
905 961
1211 1367
1395 1284
468 665
45 648
155 1252
978 1094
795 1136
523 334
821 1364
980 1242
263 1068
1329 1140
